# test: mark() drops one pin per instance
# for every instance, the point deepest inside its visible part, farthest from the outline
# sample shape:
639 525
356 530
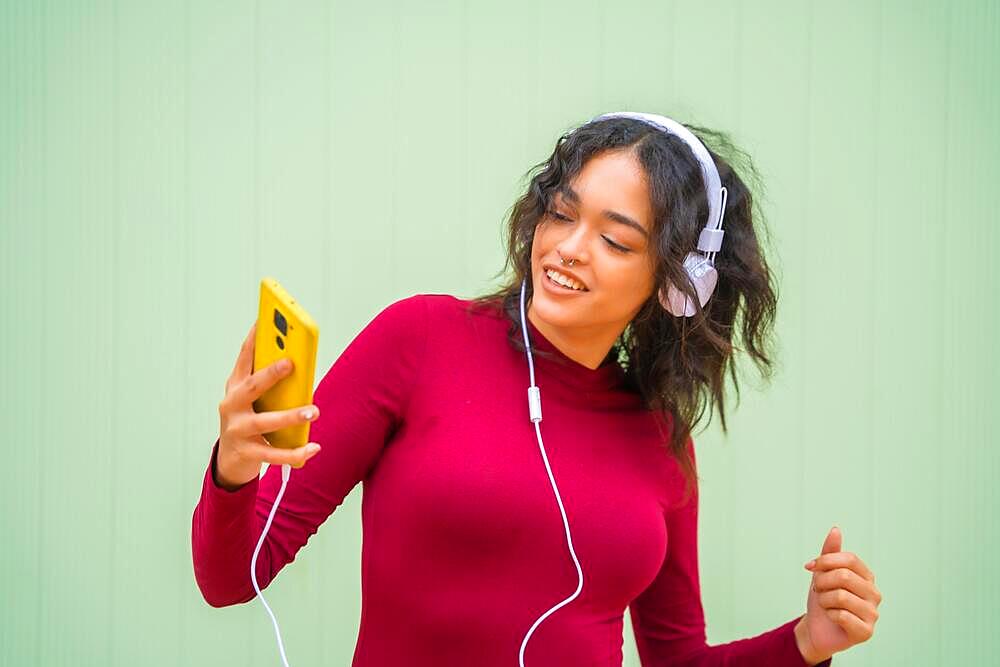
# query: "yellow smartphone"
285 329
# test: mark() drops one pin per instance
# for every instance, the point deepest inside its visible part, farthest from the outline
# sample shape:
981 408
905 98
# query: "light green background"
157 159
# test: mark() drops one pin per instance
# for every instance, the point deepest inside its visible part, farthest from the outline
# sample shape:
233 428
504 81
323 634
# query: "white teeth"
564 280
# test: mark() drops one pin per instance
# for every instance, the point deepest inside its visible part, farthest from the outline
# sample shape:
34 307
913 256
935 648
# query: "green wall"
158 158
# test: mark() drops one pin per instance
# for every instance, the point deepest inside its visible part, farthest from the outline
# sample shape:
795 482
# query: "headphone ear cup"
703 277
676 303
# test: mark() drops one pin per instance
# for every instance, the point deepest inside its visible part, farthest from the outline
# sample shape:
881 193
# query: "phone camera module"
280 323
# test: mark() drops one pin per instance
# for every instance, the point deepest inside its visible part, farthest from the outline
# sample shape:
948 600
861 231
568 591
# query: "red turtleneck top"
463 543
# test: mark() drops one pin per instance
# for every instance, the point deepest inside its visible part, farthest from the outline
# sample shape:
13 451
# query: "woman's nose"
574 244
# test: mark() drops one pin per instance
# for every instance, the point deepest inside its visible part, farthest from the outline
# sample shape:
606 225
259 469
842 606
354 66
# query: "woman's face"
596 210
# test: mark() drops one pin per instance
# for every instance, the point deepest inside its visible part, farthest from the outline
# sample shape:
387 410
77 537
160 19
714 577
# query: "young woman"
495 538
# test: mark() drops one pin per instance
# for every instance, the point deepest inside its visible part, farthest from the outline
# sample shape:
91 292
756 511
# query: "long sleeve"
362 399
669 622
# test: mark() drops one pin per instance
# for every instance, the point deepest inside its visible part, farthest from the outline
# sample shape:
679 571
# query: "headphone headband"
710 239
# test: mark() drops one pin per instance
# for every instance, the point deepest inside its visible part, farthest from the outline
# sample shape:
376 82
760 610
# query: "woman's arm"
669 622
362 399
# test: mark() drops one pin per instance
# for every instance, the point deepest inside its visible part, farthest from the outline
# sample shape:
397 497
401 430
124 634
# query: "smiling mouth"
546 278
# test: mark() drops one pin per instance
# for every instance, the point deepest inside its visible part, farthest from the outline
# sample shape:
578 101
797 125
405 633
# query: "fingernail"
312 448
285 364
810 564
307 413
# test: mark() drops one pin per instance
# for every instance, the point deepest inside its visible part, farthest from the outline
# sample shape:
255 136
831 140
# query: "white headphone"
701 271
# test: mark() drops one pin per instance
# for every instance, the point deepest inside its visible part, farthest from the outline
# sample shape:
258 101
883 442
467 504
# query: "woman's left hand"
842 606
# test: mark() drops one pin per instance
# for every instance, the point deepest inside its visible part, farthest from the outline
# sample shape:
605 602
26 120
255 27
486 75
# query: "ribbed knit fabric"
463 543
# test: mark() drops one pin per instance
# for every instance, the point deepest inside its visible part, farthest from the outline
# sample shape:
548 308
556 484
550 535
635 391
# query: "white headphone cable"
535 411
286 472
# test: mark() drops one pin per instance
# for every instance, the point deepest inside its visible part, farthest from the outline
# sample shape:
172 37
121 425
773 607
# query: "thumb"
833 541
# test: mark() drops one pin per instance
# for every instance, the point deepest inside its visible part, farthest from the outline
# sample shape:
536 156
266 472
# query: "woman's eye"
615 245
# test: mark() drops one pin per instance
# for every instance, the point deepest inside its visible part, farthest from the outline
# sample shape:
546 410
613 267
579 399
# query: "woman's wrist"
229 475
805 646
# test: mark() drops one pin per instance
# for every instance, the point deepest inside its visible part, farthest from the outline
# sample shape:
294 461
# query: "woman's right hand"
242 447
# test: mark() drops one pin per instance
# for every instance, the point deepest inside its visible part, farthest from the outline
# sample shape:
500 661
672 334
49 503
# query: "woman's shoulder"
446 321
439 305
421 305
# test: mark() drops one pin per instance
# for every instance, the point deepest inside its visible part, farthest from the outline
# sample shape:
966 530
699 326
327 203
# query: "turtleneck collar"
558 376
605 377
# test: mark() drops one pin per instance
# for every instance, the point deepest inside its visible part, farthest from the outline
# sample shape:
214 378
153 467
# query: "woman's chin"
555 311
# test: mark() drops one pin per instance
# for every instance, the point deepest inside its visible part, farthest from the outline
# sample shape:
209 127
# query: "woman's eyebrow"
571 194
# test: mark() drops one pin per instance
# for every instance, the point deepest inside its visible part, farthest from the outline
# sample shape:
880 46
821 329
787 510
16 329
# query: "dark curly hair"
676 364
